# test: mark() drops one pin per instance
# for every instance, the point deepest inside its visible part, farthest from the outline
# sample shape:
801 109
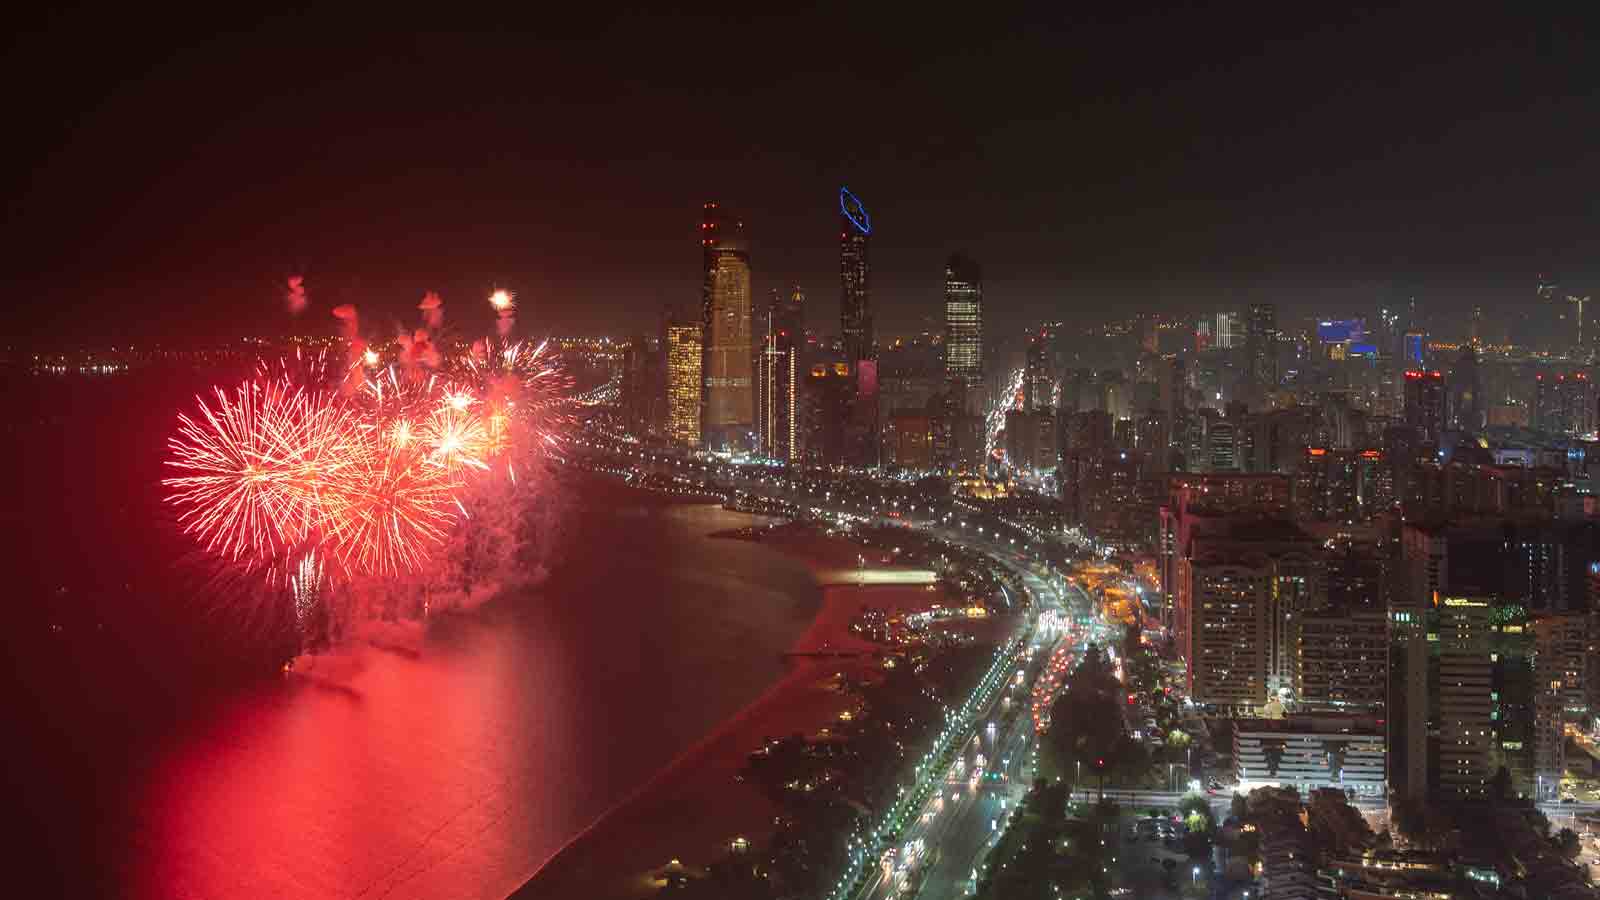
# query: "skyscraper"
963 321
684 351
1549 313
1464 696
1226 332
779 366
1564 403
1261 346
1039 372
1466 401
855 307
725 314
1424 407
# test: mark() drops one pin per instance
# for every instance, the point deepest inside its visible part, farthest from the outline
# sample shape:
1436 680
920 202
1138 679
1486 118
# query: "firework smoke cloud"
295 297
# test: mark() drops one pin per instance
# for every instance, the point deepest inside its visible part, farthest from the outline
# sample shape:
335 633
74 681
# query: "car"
1569 799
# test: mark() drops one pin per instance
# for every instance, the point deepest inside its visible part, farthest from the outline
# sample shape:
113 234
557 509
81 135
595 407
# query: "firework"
254 467
359 467
456 439
306 585
394 509
521 385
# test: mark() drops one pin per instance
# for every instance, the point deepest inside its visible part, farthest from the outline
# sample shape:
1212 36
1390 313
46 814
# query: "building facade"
963 322
1465 705
1311 752
855 279
1261 346
684 380
728 358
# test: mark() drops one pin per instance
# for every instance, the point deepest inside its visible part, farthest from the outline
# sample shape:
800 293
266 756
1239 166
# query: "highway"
966 831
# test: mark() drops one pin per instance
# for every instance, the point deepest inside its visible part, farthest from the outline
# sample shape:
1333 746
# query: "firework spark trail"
330 465
455 438
386 518
306 584
505 307
252 465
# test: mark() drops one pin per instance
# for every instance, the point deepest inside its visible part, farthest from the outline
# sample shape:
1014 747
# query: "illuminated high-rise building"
777 424
1465 697
963 321
1226 332
1261 346
729 396
855 306
1039 377
1424 403
684 349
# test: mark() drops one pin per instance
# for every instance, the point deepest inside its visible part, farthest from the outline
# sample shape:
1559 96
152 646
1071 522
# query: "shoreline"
692 807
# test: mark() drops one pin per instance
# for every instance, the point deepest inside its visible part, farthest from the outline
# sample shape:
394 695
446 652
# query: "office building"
1342 659
1031 440
684 380
1342 485
1466 409
1226 335
963 322
1424 403
909 436
1039 370
1261 346
778 423
1465 705
642 395
825 405
728 393
1564 403
1241 587
1196 503
855 278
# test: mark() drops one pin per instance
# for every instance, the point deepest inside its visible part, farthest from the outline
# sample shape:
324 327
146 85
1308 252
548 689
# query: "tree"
1131 647
1500 786
1539 821
1567 842
1179 739
1086 720
1192 803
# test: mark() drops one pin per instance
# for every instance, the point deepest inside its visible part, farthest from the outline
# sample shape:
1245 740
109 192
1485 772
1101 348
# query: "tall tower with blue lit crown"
855 307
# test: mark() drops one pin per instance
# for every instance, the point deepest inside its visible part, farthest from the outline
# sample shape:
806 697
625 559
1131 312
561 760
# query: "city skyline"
1094 452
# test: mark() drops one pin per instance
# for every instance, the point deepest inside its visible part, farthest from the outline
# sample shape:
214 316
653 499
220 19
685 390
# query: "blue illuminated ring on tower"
852 209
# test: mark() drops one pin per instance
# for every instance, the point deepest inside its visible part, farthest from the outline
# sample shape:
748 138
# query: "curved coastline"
692 806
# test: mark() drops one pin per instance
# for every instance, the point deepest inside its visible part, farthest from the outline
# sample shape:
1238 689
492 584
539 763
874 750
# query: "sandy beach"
694 808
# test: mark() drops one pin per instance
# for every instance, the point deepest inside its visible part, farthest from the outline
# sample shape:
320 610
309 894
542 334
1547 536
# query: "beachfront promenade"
607 860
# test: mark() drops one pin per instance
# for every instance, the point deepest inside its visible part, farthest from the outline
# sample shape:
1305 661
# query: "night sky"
169 173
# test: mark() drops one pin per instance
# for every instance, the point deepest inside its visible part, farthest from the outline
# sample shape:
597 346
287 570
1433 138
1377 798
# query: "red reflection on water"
378 773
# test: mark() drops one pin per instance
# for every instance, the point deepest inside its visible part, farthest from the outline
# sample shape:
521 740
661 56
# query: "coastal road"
965 832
